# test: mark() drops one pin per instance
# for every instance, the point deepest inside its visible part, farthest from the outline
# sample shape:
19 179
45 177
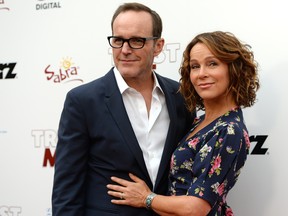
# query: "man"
129 120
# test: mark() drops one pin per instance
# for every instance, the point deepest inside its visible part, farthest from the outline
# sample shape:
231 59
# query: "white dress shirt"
150 128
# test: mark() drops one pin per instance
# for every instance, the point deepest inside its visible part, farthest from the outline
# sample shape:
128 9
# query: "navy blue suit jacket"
96 141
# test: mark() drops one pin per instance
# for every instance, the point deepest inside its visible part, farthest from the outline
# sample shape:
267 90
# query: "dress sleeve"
218 163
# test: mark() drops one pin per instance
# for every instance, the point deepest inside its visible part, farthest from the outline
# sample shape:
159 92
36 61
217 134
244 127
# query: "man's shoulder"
167 82
167 79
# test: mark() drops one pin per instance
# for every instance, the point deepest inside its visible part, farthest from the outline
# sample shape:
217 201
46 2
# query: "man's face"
134 63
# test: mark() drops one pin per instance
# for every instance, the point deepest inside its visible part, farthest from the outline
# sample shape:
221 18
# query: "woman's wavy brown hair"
243 69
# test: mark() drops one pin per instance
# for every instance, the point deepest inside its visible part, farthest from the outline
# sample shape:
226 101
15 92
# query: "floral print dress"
207 165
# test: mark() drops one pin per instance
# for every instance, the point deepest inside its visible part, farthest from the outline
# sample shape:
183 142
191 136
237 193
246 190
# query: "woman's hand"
132 193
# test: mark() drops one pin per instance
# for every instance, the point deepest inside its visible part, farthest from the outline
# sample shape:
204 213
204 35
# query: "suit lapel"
169 143
117 110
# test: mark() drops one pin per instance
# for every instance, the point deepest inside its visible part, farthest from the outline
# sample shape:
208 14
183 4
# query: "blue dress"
207 165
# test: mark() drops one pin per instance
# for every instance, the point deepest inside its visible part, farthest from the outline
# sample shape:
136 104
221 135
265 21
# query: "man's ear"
159 44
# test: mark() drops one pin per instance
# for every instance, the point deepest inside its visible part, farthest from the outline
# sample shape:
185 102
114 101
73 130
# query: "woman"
218 75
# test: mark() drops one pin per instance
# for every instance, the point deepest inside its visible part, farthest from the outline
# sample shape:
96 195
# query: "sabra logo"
67 72
6 71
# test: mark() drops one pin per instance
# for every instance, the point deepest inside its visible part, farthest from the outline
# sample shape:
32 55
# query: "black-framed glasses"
134 43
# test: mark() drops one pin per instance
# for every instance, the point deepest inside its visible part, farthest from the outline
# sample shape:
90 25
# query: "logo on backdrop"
258 148
45 139
169 54
67 72
7 71
3 131
44 5
48 212
10 210
3 7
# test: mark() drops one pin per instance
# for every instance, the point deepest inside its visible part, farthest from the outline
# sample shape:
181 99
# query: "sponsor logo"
2 7
45 5
10 210
67 72
7 71
46 139
258 148
48 212
170 53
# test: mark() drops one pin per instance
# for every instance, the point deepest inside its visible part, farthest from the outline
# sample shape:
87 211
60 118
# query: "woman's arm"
134 193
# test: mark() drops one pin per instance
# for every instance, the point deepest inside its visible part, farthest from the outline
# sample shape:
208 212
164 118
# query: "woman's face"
209 75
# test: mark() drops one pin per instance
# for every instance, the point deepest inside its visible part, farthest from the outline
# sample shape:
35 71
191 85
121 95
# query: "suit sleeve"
70 160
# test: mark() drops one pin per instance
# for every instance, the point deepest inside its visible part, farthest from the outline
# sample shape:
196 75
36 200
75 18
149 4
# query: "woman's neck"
215 110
